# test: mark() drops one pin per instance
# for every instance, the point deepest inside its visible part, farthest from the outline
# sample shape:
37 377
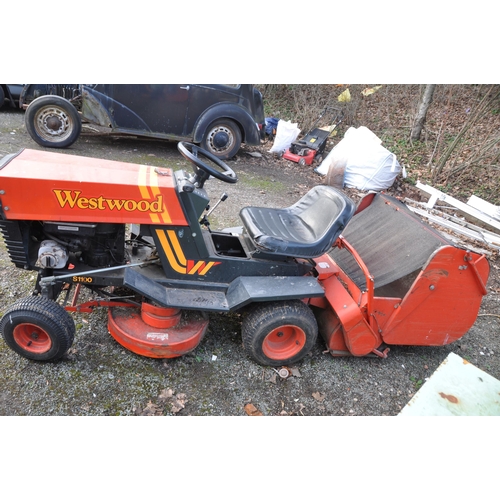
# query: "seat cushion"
307 229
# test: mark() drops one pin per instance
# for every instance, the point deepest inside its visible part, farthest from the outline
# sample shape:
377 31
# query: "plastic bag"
286 133
354 138
367 165
374 170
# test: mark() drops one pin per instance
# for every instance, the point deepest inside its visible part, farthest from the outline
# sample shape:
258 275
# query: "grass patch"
261 183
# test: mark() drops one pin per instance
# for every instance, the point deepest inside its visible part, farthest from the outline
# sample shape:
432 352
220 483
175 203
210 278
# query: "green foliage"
417 382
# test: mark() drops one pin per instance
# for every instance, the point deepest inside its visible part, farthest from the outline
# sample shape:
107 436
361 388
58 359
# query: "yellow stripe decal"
195 268
177 247
143 182
207 268
153 183
168 252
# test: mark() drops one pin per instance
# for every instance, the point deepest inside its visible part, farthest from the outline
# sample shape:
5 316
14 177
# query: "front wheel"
38 329
222 139
53 122
279 333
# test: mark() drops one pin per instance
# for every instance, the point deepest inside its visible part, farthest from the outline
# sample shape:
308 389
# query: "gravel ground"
99 377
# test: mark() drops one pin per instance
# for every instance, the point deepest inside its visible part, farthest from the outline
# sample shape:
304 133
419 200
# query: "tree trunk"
422 112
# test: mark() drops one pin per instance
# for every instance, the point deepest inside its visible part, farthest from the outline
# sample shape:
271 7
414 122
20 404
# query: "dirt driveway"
99 377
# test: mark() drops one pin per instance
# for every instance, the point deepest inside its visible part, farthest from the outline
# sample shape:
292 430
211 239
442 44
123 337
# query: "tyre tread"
262 318
41 310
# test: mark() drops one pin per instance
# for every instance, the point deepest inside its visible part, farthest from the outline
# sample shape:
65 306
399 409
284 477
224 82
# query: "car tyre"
222 139
279 333
53 122
38 329
2 97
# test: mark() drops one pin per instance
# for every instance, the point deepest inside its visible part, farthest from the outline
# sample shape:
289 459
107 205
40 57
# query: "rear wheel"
279 333
38 329
53 122
222 139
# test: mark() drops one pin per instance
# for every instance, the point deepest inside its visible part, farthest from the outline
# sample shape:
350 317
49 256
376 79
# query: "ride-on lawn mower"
365 277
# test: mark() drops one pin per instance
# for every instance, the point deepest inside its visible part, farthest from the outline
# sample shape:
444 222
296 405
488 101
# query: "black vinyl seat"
307 229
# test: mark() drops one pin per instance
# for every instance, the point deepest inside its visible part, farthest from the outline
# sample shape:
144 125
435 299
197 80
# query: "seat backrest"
306 229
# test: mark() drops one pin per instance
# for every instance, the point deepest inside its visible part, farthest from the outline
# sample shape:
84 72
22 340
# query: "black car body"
10 92
219 117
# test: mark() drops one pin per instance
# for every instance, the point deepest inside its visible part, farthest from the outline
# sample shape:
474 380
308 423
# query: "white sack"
368 165
353 138
286 133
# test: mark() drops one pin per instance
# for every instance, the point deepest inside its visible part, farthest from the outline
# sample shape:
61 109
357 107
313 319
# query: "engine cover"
61 187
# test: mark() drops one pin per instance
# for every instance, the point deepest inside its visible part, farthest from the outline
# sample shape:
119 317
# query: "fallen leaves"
251 411
167 401
319 396
151 410
176 401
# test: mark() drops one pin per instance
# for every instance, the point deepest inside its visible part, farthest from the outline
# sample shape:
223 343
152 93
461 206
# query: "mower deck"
156 332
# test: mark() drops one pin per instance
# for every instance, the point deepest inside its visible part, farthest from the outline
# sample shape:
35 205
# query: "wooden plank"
485 207
457 226
438 195
488 235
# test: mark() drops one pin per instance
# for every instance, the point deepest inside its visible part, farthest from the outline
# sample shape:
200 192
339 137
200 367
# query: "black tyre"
279 333
2 97
38 329
222 139
53 122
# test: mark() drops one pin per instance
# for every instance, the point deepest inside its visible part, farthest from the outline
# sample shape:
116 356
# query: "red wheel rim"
284 342
32 338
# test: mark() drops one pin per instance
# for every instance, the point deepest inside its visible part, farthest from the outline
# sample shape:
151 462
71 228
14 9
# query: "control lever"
204 219
222 198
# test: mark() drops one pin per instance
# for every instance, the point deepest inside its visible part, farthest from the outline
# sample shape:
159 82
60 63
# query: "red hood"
37 185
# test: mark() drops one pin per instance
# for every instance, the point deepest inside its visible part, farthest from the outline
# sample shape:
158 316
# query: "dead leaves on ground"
251 411
167 401
319 396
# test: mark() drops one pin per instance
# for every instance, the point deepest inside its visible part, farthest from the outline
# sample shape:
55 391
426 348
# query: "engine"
95 245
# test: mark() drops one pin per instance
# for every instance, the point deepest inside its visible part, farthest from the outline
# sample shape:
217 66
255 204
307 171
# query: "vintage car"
10 92
218 117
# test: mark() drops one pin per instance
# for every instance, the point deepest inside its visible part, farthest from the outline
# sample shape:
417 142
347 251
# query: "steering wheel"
201 169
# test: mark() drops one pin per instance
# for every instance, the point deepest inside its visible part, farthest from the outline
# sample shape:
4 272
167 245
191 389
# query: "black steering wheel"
203 171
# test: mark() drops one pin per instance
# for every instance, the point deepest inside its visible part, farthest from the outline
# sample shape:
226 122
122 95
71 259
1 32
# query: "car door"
157 108
202 97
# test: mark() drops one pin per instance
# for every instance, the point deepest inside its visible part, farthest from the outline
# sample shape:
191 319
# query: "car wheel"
38 329
53 122
279 333
222 139
2 97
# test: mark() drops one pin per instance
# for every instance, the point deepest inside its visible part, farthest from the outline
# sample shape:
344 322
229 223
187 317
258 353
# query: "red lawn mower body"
363 277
